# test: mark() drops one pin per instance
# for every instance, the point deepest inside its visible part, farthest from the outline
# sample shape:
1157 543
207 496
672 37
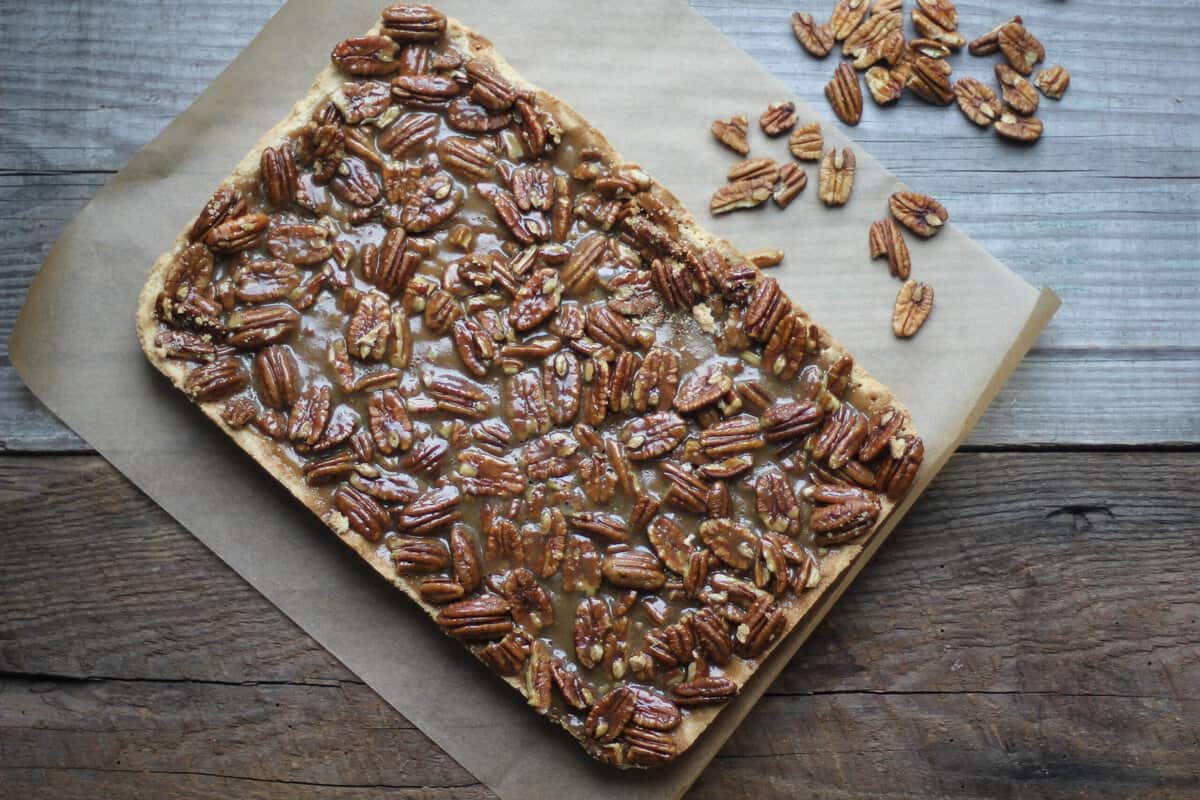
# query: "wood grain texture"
1106 209
120 674
1031 630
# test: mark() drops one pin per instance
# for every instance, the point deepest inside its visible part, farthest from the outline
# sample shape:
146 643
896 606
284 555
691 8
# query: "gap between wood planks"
10 677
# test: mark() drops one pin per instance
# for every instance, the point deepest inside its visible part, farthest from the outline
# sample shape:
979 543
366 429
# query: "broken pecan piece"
885 85
732 133
779 118
885 239
918 212
1053 81
1016 91
836 177
815 37
990 42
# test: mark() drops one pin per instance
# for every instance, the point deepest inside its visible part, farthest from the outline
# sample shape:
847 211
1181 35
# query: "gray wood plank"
164 673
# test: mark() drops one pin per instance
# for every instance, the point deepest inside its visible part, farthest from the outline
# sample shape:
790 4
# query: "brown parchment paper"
651 75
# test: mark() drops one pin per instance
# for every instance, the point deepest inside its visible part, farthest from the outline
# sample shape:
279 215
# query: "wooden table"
1031 630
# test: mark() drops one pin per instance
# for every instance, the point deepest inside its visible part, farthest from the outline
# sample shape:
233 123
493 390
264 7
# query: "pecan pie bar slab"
592 441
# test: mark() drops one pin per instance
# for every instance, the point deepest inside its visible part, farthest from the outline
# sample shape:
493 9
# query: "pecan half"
609 527
885 239
741 194
417 555
1016 91
990 42
754 168
484 617
847 15
848 514
1020 47
278 376
704 690
536 300
732 133
732 542
977 101
884 426
252 328
367 55
764 623
409 22
365 516
216 380
776 503
918 212
836 177
303 244
879 38
277 171
186 346
530 604
432 511
815 37
913 304
787 423
712 634
784 352
457 395
806 142
391 429
670 542
611 715
929 79
1018 128
779 118
633 569
1053 81
740 434
652 435
237 233
899 469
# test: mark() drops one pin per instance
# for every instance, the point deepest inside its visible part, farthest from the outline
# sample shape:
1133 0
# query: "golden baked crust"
865 393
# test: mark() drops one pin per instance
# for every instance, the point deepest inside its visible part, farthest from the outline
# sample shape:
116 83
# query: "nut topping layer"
608 453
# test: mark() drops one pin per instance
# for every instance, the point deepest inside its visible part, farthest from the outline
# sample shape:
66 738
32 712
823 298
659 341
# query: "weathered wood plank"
1094 396
176 677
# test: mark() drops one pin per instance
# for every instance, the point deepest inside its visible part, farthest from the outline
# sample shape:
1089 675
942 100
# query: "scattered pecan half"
806 142
845 94
918 212
732 133
836 177
913 304
1020 47
1017 128
1053 81
977 101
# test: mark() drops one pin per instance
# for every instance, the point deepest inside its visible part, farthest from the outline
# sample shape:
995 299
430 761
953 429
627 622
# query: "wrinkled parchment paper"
654 95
